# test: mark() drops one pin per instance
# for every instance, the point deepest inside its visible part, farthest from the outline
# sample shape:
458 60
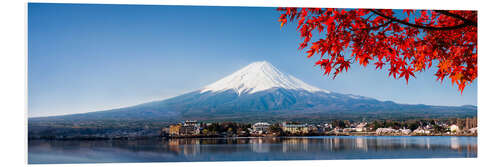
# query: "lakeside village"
108 129
193 128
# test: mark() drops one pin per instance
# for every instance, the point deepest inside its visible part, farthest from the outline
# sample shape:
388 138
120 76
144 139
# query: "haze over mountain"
260 91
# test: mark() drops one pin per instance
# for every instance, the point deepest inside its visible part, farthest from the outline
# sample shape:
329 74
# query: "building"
327 127
405 131
174 129
294 128
260 127
191 123
361 127
337 130
188 128
473 130
421 130
384 131
313 129
454 128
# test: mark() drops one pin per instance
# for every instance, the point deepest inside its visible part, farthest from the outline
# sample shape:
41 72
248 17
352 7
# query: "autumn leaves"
406 41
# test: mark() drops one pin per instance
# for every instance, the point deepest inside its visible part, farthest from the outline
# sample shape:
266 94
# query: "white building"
190 127
454 128
361 127
405 131
260 127
421 130
384 130
473 130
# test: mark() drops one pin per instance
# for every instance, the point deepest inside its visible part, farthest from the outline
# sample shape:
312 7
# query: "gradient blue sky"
84 58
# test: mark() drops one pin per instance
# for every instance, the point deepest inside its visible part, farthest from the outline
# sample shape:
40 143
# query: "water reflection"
188 147
258 145
454 143
265 148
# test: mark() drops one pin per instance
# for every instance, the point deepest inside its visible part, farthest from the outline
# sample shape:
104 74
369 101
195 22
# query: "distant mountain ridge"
260 91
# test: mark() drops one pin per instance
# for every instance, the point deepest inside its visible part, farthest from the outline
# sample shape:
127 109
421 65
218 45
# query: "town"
104 130
193 128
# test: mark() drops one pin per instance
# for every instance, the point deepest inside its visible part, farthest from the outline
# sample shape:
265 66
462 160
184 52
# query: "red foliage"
407 41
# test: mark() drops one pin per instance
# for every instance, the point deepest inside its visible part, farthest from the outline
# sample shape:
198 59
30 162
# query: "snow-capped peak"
259 76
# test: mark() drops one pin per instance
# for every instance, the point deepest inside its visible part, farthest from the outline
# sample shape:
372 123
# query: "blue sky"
84 58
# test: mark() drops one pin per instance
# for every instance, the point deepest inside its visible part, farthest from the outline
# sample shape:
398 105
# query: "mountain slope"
260 91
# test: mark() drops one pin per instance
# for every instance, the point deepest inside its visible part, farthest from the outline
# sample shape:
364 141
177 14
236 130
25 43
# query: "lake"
251 149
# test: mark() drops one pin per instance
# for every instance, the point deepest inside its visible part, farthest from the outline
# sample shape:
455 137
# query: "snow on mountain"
259 76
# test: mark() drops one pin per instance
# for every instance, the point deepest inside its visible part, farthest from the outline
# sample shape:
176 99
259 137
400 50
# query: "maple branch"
416 25
377 27
370 16
447 13
371 28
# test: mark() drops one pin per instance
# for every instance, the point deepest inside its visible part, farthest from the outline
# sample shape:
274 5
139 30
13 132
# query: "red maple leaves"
406 41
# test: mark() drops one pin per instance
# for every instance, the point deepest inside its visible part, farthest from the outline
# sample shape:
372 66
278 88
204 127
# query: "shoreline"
229 137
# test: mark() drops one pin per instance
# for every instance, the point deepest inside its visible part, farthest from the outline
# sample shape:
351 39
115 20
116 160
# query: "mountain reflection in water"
244 149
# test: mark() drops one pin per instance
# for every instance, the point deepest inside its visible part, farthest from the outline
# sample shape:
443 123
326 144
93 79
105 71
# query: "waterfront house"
174 129
188 130
294 128
313 129
191 123
421 130
326 127
260 127
405 131
190 127
361 127
380 131
454 128
473 130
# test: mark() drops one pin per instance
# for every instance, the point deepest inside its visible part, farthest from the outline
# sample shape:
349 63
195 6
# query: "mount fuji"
260 91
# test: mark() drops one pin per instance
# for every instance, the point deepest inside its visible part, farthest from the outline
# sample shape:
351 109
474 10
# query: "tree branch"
377 27
447 13
390 18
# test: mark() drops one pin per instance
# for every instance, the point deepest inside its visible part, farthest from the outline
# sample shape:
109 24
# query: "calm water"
248 149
